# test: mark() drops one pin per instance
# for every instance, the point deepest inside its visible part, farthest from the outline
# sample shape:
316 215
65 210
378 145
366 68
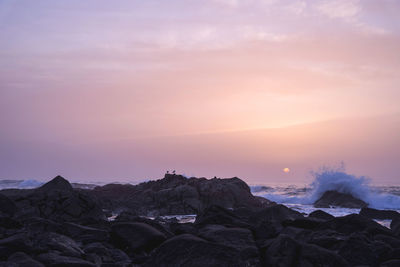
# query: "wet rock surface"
380 214
337 199
56 225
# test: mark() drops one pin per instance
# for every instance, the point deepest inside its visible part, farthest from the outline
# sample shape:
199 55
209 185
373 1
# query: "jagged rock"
58 183
354 223
282 251
276 213
136 237
337 199
56 200
7 206
295 232
85 234
156 223
194 251
312 255
391 254
175 194
41 225
285 251
391 263
395 226
107 255
21 259
57 242
267 223
183 228
15 243
357 250
53 259
328 239
9 223
222 216
305 223
380 214
395 223
238 238
390 240
319 214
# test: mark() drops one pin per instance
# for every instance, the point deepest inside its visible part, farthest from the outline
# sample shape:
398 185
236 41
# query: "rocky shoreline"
57 225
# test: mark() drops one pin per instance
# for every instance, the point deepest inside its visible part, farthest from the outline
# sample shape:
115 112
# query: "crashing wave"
328 179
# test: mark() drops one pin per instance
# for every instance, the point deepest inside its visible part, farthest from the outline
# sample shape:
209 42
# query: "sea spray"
335 179
328 179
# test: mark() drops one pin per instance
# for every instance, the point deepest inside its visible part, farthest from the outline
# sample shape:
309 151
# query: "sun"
286 170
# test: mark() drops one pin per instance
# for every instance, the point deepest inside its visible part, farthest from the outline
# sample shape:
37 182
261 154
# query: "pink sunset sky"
125 90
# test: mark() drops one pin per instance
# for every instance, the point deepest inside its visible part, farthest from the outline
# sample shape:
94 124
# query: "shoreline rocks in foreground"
56 225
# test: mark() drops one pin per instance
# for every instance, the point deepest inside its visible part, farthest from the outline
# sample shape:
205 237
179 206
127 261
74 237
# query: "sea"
299 197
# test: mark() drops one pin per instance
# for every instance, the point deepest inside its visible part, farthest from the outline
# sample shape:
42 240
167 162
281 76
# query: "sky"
100 90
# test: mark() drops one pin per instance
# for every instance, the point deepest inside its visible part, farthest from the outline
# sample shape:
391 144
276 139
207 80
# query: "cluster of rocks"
176 194
56 225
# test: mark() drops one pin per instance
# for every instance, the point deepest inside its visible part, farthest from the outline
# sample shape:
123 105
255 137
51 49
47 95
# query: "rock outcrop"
337 199
176 194
38 229
380 214
55 200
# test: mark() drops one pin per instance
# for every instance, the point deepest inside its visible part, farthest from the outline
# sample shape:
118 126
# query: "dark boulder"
107 255
319 214
85 234
41 225
393 254
286 251
358 250
21 259
9 222
189 250
7 206
395 223
380 214
354 223
53 259
391 263
337 199
275 213
305 223
239 238
58 183
136 237
183 228
395 226
222 216
56 200
295 232
158 223
267 223
328 239
390 240
282 251
15 243
56 242
312 255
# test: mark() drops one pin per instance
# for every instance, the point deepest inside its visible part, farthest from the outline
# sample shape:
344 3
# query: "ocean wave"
338 180
20 184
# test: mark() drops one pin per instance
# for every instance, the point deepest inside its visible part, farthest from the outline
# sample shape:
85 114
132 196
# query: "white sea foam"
27 184
333 179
